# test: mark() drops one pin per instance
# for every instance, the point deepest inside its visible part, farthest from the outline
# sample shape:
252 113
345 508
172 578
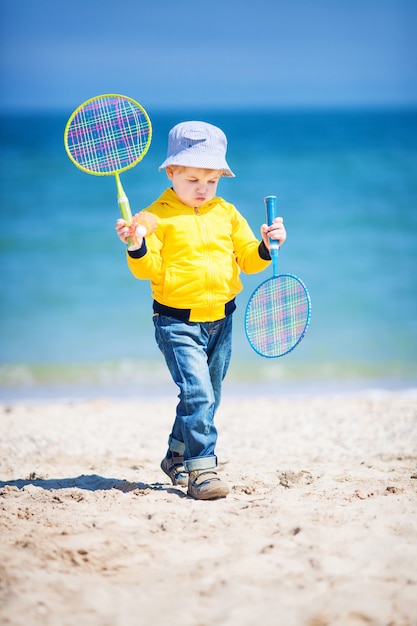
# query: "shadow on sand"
91 482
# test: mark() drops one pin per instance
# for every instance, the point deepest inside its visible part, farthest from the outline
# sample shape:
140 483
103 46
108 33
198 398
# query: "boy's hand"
276 231
125 232
122 230
142 225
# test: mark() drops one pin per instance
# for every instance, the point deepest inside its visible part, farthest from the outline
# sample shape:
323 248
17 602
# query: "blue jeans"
198 356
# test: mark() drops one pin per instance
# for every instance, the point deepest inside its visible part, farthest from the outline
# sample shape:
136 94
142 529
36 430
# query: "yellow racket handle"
124 205
123 201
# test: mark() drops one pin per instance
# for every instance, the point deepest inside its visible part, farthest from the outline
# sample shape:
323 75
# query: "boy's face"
194 186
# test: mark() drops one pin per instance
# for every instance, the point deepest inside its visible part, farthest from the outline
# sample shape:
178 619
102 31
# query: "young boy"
193 260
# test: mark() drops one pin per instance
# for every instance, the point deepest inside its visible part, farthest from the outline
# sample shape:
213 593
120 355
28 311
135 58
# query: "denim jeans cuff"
200 463
176 446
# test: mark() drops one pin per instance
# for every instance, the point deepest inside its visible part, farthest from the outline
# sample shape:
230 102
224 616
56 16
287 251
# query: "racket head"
277 315
107 134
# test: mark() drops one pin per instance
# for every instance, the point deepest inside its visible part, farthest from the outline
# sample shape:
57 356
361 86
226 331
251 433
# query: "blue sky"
179 53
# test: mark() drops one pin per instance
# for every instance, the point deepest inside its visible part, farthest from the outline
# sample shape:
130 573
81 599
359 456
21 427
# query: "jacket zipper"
210 276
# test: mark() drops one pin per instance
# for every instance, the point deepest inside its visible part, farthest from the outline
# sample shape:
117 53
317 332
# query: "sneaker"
173 467
206 485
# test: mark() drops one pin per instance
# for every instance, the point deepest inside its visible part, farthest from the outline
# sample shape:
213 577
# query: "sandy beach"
319 528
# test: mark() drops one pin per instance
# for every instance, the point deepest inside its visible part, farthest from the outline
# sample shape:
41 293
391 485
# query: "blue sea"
74 322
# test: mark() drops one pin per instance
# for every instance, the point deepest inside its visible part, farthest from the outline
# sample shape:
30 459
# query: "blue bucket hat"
197 144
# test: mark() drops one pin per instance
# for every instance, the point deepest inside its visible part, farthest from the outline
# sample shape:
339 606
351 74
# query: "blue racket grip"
271 214
271 208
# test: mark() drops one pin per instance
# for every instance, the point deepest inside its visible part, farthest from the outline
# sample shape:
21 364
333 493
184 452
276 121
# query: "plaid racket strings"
277 315
108 134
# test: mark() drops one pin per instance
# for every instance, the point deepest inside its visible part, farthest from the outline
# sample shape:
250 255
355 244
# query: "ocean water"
73 319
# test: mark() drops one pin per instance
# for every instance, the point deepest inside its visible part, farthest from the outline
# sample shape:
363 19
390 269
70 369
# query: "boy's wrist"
264 252
137 251
134 246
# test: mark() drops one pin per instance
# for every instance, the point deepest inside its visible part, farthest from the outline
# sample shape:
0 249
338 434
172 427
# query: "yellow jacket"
195 256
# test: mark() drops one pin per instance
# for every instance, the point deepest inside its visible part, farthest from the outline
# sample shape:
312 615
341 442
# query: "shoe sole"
209 494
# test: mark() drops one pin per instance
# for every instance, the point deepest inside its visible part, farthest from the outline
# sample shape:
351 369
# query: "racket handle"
271 208
123 201
271 214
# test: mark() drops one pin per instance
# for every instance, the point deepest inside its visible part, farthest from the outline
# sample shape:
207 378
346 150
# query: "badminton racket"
107 135
279 310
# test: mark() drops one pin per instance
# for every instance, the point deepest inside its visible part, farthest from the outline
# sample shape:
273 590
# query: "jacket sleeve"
146 262
252 256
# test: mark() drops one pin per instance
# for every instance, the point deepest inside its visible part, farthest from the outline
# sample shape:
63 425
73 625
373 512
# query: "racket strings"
108 134
277 315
